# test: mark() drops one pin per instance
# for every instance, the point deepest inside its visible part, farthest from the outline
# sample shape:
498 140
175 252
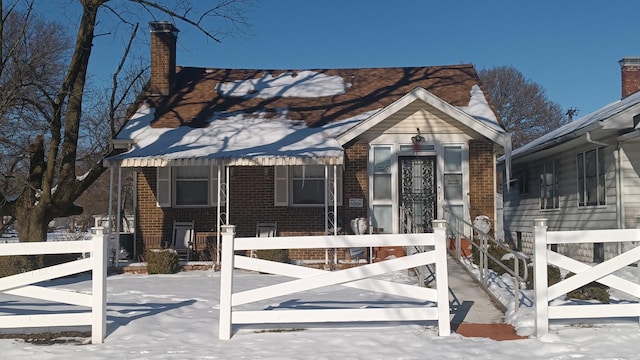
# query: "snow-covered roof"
605 117
303 84
270 117
233 139
480 110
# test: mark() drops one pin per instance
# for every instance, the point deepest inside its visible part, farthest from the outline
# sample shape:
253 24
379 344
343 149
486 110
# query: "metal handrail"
483 247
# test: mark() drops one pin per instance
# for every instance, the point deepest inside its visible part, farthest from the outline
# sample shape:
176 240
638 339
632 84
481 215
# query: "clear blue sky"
571 47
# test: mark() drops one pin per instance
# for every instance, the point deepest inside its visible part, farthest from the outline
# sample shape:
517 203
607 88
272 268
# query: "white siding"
521 209
419 115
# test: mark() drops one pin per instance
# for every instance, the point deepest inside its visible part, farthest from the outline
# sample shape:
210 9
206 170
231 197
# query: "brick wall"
157 223
251 194
481 186
355 183
252 200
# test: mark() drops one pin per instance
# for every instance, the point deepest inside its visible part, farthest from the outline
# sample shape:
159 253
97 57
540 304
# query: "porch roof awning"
231 139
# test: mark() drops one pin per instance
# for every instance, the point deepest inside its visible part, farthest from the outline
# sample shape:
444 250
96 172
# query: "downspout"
620 214
619 187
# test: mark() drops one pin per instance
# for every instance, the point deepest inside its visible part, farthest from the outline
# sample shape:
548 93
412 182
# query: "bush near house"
162 262
591 291
277 255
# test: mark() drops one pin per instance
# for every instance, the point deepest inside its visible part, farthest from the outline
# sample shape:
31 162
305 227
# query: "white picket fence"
356 277
21 285
584 274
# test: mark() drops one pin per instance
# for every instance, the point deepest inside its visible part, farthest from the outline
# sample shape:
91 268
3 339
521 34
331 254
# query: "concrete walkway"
469 303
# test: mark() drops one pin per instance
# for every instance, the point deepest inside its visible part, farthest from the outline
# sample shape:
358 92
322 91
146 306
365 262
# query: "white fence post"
540 276
226 281
638 263
99 290
440 239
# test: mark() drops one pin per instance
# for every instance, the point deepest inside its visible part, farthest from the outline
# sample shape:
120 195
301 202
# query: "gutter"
589 140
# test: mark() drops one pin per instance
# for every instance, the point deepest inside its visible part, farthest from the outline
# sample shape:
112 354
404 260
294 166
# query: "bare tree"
62 161
521 104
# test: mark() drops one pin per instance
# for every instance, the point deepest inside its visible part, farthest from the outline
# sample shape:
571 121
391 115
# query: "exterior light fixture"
416 140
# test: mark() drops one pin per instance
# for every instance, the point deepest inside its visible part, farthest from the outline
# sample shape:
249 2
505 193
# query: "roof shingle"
196 97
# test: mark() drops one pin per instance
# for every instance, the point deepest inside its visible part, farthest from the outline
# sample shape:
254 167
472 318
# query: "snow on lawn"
176 317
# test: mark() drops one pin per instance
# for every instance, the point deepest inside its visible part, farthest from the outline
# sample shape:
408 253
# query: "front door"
417 193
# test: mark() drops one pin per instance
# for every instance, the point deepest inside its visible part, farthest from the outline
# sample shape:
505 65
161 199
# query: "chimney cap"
162 26
629 61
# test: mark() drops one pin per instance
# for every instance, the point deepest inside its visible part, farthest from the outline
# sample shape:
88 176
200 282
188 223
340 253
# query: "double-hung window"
192 186
304 185
549 186
590 169
307 185
187 186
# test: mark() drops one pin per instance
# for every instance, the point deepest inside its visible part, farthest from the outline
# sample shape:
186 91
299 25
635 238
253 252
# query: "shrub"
278 255
553 276
162 262
12 265
497 252
591 291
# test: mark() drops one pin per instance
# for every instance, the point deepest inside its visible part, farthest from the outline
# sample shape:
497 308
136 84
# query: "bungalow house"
583 176
308 150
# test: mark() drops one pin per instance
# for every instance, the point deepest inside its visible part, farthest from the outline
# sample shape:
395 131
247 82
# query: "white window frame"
376 204
462 203
166 183
283 186
600 179
549 167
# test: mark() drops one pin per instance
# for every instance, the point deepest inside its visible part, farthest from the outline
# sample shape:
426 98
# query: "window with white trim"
187 186
549 197
192 186
591 174
304 185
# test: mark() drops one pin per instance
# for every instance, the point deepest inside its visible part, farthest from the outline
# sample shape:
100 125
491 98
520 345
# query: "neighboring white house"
584 175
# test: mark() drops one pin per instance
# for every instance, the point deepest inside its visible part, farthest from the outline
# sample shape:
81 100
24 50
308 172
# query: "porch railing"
360 277
459 229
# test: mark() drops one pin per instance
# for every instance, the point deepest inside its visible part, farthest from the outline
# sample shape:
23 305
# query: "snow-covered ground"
176 317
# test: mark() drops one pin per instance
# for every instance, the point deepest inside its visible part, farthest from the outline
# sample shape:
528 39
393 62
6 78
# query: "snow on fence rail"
21 285
356 277
584 274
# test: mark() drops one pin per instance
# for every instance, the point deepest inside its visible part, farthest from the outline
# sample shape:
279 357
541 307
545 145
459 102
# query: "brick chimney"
163 57
630 69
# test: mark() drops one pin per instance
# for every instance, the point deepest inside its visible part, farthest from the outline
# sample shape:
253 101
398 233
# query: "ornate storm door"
417 193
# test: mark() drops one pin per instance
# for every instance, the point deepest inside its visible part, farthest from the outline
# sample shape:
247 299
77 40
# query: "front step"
498 332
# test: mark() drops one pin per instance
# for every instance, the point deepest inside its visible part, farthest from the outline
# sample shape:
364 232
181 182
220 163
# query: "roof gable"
477 115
